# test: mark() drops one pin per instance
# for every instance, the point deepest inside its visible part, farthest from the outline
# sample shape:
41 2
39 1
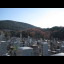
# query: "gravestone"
44 49
3 47
24 51
35 50
2 37
62 46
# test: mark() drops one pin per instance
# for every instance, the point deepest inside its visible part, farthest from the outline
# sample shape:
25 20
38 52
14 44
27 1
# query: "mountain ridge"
33 31
14 25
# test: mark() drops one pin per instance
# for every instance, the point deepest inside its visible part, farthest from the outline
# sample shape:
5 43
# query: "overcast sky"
41 17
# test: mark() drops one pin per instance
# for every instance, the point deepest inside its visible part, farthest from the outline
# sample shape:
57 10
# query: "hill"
14 25
33 31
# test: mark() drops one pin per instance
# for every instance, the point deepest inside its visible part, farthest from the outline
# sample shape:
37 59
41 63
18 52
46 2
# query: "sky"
40 17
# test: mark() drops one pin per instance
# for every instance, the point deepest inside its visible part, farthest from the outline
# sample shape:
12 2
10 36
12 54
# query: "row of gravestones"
4 44
33 50
44 47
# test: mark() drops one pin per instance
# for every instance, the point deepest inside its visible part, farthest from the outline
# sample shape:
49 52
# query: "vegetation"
13 25
34 32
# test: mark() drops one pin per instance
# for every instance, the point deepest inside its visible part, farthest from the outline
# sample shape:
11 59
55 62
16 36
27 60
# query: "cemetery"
19 46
